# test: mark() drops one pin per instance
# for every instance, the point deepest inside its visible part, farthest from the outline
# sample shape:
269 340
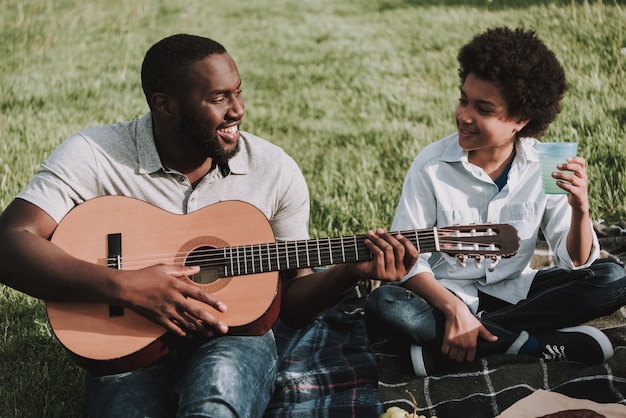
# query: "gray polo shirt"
122 159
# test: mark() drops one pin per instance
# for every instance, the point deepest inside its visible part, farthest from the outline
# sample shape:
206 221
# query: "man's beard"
206 141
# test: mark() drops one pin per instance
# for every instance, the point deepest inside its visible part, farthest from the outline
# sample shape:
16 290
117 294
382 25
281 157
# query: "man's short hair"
166 65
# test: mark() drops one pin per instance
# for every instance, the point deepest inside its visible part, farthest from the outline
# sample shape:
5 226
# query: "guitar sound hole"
209 273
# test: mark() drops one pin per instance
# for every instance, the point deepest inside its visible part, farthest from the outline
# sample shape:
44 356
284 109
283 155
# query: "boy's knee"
383 295
608 270
393 311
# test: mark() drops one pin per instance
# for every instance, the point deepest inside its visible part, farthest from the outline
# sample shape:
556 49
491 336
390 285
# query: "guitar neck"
287 255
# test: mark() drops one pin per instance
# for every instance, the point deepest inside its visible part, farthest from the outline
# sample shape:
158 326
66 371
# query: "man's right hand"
162 294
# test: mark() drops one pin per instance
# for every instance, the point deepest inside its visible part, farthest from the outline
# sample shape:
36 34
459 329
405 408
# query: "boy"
488 172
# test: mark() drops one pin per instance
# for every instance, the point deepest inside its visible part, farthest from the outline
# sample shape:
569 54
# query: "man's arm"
32 264
309 294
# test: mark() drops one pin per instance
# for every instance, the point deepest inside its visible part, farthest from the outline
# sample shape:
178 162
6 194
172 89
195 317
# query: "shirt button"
181 179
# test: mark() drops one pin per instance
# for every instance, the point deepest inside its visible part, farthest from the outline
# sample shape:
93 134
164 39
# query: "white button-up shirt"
442 188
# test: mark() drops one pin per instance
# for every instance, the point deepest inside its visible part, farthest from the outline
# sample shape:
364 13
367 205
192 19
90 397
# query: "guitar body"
105 339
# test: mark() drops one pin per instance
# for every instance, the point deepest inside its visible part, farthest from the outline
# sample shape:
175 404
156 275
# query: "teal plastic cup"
552 154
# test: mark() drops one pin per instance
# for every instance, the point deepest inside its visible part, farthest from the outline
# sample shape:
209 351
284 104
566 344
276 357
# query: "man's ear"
164 104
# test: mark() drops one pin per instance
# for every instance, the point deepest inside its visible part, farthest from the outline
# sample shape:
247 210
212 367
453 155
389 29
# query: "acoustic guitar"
234 245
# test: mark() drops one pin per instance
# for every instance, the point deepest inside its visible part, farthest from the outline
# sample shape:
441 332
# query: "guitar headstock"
488 240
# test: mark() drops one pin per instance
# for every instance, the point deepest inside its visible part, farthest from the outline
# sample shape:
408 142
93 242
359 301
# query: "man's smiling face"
212 109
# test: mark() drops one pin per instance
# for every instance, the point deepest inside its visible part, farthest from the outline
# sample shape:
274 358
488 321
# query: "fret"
295 255
275 256
278 265
254 260
232 265
238 260
301 253
231 257
337 252
258 265
306 250
292 254
225 256
321 253
343 252
319 256
426 242
327 257
416 241
435 240
330 252
269 258
248 259
287 255
241 260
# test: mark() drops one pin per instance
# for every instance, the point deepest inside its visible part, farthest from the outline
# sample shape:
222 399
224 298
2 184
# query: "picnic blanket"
488 386
332 369
326 369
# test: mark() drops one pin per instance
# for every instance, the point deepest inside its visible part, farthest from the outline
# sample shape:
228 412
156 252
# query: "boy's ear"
520 124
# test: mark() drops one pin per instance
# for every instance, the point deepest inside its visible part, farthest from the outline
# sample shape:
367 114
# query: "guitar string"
210 253
275 248
243 250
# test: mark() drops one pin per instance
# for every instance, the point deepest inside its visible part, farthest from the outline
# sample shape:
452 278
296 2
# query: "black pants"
558 298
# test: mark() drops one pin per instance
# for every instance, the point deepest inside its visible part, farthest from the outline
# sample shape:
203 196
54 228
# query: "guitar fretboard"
287 255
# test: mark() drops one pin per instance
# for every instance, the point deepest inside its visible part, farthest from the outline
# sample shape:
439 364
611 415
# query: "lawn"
353 90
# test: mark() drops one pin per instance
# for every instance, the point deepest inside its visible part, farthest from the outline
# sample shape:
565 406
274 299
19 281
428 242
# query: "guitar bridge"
114 261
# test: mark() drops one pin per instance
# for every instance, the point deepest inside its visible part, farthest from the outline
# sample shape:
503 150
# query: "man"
185 154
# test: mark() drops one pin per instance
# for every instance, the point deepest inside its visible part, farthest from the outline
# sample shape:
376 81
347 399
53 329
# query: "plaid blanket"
326 369
488 386
329 370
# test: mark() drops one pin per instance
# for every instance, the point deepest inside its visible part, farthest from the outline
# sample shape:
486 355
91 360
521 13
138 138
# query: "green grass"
353 90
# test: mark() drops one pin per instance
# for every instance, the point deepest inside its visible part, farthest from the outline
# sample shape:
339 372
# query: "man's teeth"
230 130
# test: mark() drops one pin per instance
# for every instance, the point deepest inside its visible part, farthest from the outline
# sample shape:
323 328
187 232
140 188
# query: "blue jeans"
557 299
229 376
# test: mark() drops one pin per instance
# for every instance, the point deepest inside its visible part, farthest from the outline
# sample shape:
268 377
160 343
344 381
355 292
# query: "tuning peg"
477 261
460 258
494 262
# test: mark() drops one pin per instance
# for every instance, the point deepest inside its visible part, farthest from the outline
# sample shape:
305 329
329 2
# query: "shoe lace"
554 352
